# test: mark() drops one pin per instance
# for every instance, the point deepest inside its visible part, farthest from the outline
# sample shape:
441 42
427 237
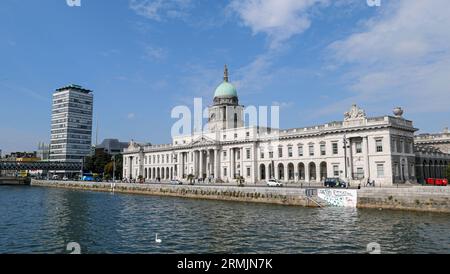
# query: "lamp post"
114 168
345 157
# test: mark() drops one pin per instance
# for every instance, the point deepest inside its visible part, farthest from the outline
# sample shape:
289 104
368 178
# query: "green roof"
225 90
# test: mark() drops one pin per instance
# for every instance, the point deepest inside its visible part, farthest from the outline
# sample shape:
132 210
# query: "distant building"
440 141
71 133
21 156
112 146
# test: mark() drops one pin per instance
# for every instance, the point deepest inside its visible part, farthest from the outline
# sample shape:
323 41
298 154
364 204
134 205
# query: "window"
247 134
335 148
322 149
300 151
379 145
248 172
235 136
248 154
224 155
290 151
335 170
224 137
271 154
262 154
311 150
360 173
280 152
396 172
358 146
238 154
224 171
380 170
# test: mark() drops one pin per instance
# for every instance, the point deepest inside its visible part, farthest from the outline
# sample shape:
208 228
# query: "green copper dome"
225 90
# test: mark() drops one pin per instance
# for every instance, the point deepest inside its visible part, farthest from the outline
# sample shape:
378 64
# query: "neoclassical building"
357 148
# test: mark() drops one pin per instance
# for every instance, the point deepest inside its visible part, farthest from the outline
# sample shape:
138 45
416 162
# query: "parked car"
334 182
274 183
176 182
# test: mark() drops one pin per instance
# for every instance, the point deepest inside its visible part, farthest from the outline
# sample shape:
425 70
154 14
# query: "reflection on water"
44 220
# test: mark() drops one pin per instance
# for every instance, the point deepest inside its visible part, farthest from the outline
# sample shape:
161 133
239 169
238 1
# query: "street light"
114 168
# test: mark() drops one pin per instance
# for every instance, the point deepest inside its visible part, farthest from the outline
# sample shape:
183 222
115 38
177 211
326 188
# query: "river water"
45 220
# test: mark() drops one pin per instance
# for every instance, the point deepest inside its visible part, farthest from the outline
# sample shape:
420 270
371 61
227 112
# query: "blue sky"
314 58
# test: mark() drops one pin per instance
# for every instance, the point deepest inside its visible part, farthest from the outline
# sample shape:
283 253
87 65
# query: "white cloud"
161 9
401 56
279 19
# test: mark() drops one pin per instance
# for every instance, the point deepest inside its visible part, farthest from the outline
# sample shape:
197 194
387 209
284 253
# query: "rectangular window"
262 154
224 155
335 170
224 137
335 148
300 151
280 152
235 136
290 152
359 173
358 146
247 134
380 170
322 150
271 154
248 154
238 154
224 171
379 145
248 172
311 150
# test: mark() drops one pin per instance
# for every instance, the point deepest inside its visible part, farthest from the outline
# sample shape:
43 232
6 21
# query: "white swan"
157 240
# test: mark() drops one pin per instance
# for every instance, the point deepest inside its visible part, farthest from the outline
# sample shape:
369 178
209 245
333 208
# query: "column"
286 172
318 177
208 164
200 164
307 172
232 166
216 164
243 169
365 145
194 153
181 170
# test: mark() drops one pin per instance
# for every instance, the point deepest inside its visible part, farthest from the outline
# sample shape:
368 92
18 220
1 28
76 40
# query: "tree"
240 180
97 162
190 178
109 167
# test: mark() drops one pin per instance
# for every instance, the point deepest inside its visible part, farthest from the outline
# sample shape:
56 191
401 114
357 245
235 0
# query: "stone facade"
357 149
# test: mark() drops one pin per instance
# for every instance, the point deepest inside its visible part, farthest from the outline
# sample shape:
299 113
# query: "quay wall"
281 196
415 198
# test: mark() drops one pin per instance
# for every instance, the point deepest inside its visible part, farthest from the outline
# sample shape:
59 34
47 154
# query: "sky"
313 58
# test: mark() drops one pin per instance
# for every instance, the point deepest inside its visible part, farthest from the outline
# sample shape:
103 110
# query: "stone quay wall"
281 196
415 198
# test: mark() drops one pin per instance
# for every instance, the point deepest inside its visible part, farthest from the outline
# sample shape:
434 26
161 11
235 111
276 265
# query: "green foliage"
240 180
102 163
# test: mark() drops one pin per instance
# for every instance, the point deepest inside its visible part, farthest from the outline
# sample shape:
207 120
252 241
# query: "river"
45 220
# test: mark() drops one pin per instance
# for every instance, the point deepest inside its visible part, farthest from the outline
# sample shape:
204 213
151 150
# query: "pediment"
203 141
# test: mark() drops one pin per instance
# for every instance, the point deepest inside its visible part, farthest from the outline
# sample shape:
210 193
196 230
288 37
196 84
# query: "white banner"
339 197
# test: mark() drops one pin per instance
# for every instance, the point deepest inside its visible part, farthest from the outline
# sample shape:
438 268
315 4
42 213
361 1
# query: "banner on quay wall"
339 197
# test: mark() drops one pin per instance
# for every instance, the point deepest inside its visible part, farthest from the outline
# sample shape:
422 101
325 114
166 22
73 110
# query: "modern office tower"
71 124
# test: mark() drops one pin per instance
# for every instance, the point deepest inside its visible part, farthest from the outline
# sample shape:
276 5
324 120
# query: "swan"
157 240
